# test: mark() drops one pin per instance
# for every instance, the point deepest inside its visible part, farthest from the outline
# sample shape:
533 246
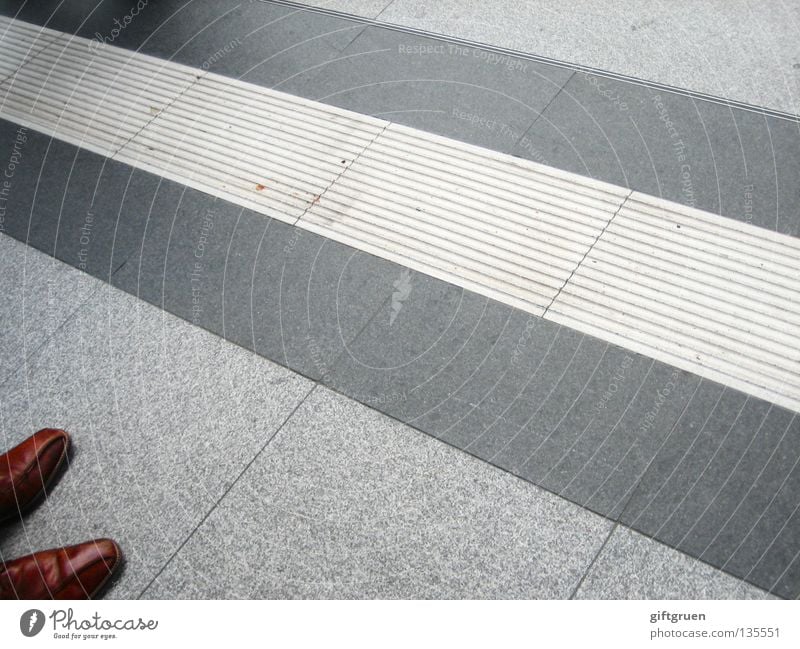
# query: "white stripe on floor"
704 293
268 151
21 42
695 290
506 228
97 101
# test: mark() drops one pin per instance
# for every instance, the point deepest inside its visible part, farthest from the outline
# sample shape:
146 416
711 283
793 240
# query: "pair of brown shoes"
74 572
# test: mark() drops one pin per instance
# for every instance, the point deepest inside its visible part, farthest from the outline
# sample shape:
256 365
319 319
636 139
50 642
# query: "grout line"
391 417
227 491
389 4
338 357
544 489
586 254
542 112
545 60
197 78
53 261
347 46
364 149
594 560
30 58
340 174
165 62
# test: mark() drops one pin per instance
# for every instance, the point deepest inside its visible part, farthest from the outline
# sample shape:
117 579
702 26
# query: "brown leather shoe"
74 572
26 470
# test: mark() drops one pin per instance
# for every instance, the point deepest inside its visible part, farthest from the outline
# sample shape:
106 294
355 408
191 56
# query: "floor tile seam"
586 254
620 527
633 490
614 520
743 579
365 25
594 560
545 60
30 58
541 113
387 6
228 489
199 74
341 173
29 356
325 381
568 279
152 119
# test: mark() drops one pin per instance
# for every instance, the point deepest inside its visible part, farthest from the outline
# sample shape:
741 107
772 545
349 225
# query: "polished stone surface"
633 566
346 503
163 417
39 296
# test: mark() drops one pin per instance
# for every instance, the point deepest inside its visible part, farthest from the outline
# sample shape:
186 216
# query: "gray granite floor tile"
728 161
717 473
521 393
24 156
77 206
39 295
128 24
275 46
566 411
457 92
733 49
163 415
740 164
260 42
157 28
180 256
284 293
680 458
307 299
727 491
346 503
632 566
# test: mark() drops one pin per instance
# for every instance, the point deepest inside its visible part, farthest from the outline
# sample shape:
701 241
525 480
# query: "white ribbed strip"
708 294
94 98
507 228
699 291
20 42
266 150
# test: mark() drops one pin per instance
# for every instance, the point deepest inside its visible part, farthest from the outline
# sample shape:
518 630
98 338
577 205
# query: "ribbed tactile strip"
20 42
507 228
713 296
269 151
94 98
708 294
